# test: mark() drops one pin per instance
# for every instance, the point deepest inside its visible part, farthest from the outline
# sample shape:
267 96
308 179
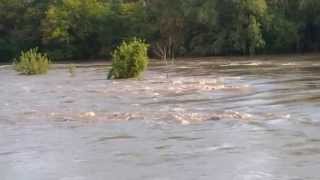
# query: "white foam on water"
289 64
5 66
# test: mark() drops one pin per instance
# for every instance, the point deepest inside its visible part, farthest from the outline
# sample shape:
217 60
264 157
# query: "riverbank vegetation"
82 29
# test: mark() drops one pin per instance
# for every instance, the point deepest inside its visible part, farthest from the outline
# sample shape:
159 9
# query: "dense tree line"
80 29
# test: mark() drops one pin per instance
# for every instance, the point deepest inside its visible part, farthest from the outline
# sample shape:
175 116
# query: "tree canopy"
82 29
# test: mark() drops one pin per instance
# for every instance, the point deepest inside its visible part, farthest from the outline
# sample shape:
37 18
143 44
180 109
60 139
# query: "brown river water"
195 120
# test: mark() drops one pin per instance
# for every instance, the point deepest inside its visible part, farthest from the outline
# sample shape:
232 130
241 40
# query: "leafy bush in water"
129 60
72 69
32 62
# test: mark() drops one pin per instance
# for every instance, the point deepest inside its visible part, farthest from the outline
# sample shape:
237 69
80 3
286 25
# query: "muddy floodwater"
201 119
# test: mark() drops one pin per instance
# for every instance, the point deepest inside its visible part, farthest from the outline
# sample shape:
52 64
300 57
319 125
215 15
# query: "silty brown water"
210 119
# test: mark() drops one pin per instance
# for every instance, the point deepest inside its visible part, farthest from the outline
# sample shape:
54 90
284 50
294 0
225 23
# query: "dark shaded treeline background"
81 29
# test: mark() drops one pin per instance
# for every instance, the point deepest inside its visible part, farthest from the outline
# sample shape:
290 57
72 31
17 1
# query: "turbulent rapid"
198 119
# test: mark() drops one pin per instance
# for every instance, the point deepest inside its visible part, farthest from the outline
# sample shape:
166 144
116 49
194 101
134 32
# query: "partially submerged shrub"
129 60
32 62
72 69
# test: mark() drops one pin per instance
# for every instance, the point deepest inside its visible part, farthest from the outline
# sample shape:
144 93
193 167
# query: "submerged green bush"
32 62
129 60
72 68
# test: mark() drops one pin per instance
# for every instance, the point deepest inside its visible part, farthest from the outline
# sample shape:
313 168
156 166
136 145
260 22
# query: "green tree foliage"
167 17
19 26
73 26
201 20
127 21
281 34
82 29
239 26
309 24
